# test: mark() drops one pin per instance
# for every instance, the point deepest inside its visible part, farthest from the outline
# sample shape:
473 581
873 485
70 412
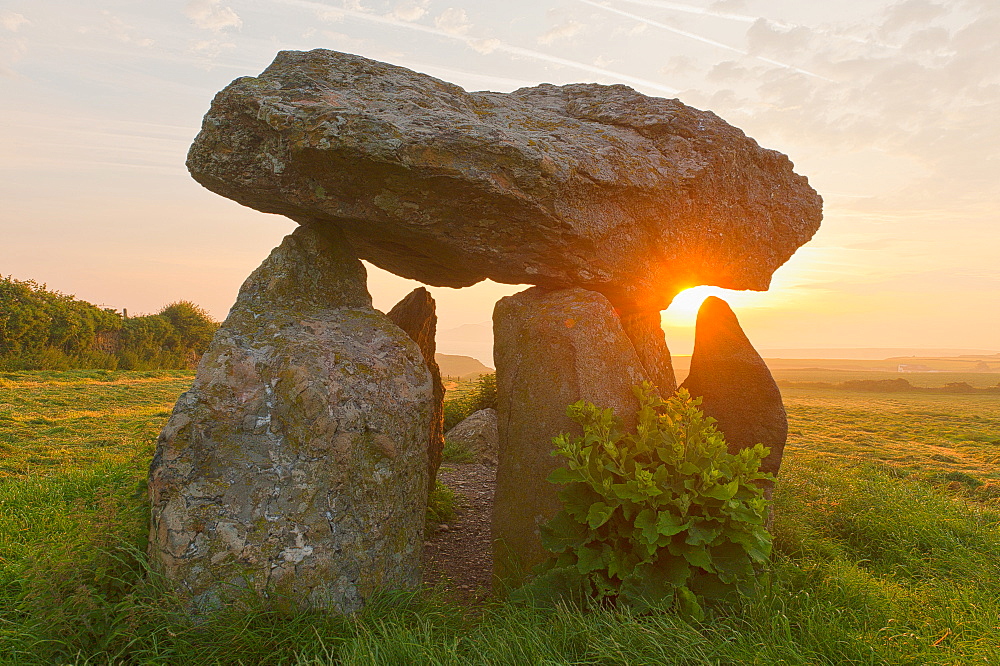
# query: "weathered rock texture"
416 315
581 185
736 387
296 465
551 349
646 334
478 433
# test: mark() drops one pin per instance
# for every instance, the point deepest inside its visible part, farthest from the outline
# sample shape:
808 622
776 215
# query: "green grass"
923 434
58 421
878 561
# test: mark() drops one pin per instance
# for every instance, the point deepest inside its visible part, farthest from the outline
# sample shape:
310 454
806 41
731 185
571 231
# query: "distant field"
58 421
932 435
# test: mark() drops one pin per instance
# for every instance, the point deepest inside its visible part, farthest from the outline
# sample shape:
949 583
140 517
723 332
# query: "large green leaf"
591 558
562 532
698 556
645 522
669 524
598 514
722 491
688 606
564 475
673 569
703 532
577 499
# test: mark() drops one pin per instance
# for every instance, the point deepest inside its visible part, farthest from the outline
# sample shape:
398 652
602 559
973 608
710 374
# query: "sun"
684 308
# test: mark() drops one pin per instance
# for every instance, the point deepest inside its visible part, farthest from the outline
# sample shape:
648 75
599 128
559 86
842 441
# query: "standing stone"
735 385
295 467
477 432
644 330
551 348
416 315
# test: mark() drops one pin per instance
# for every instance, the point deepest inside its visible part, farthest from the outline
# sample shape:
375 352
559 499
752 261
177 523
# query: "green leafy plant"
482 396
664 515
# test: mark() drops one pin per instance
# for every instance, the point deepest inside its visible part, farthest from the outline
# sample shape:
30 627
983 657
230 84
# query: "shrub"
662 515
483 396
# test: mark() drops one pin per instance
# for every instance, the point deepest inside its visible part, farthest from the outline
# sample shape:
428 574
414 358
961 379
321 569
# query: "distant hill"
453 365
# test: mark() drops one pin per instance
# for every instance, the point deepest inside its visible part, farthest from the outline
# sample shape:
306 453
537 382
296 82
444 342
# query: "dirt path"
459 553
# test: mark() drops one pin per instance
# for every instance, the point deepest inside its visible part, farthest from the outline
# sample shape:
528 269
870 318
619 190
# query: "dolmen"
296 469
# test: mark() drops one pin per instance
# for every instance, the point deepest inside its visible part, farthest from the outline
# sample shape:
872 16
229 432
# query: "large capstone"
416 315
295 467
735 385
580 185
551 348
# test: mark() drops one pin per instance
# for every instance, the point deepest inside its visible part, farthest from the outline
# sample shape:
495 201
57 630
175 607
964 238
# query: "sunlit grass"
58 421
878 561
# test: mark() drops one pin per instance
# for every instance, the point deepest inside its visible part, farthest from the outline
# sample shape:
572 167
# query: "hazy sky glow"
892 109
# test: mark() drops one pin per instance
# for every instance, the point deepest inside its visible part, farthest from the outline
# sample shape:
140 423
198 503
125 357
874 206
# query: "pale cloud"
629 31
566 30
766 37
10 53
910 12
454 21
14 48
728 70
210 15
12 21
410 10
930 105
211 48
728 6
125 33
485 46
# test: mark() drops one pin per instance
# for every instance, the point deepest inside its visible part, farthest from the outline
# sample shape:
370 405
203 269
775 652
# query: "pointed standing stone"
416 315
735 385
296 465
551 348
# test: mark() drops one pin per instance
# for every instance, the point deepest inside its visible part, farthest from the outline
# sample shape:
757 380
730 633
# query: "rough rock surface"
478 433
296 465
735 385
552 348
416 315
646 334
580 185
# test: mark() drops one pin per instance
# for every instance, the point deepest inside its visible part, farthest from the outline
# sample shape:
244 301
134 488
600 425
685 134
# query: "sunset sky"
891 109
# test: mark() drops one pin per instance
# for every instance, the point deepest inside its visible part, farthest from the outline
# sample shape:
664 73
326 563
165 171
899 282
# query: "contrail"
691 9
480 43
704 40
746 18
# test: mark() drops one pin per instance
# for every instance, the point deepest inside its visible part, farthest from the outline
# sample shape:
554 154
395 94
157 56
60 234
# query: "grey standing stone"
551 348
295 467
584 185
416 315
735 384
478 433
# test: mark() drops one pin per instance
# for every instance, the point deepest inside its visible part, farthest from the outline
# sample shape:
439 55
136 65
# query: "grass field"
887 551
60 421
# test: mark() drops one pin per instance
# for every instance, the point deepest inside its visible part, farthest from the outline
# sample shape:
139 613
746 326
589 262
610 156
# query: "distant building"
912 367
